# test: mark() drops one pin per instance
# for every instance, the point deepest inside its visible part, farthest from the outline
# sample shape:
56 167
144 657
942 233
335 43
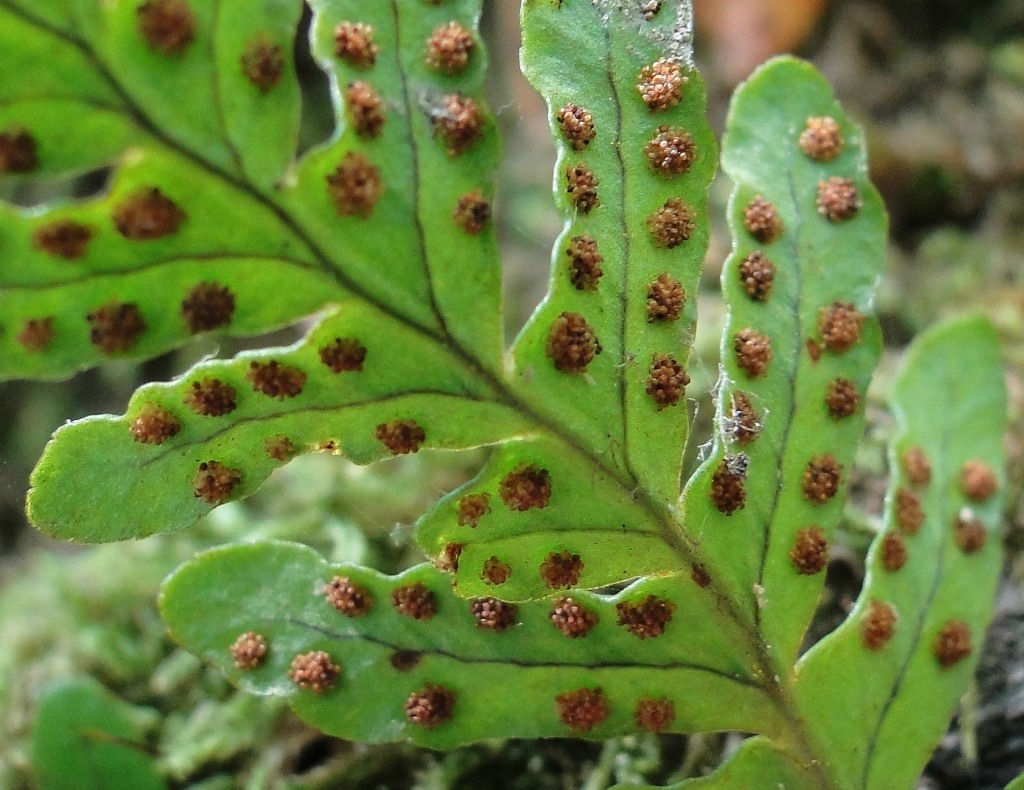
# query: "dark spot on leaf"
969 531
838 199
249 651
909 513
813 349
700 576
822 139
757 274
492 614
809 554
672 224
661 84
19 152
728 491
154 425
344 354
263 63
654 715
894 552
584 263
572 343
210 397
666 298
879 625
916 466
405 660
978 481
430 706
821 478
953 643
472 212
581 186
280 448
355 186
365 108
495 571
753 352
276 380
314 671
147 214
449 48
349 598
842 398
666 381
571 618
671 152
37 333
577 124
647 618
583 709
214 482
116 327
353 42
561 569
64 238
472 508
169 26
207 306
415 601
458 121
762 220
401 436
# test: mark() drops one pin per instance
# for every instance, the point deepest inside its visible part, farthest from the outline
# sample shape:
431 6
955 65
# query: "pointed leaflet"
899 664
402 657
809 233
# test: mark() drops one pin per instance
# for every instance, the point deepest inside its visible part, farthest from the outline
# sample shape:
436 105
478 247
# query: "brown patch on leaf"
343 355
280 448
654 715
561 569
821 478
661 84
762 220
154 425
953 643
448 559
583 709
430 706
415 601
472 508
581 186
894 552
214 482
571 618
401 437
743 424
249 651
147 214
472 212
365 109
19 152
838 199
64 238
809 554
449 48
263 63
572 343
577 124
969 531
666 298
822 139
666 381
168 26
207 306
36 334
459 122
276 380
584 263
978 481
493 615
813 349
671 152
405 660
700 576
842 398
349 598
728 491
495 571
916 466
353 42
647 618
909 513
314 671
839 326
355 186
879 625
116 327
757 274
672 224
753 352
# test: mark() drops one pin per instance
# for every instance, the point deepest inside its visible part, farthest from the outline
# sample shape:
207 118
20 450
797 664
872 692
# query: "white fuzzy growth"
675 40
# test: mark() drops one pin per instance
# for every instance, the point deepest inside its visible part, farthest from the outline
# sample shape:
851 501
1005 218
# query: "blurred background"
938 86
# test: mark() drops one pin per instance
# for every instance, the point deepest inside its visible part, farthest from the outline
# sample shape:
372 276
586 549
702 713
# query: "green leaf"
1016 784
784 421
896 687
86 738
278 591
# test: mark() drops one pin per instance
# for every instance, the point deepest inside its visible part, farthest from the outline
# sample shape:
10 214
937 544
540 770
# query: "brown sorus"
116 327
472 212
666 298
147 214
263 63
916 466
314 671
581 186
661 84
214 482
492 614
757 274
953 643
700 575
584 263
654 715
495 571
838 199
969 531
527 486
762 220
459 122
64 238
909 513
365 109
415 601
671 152
168 26
571 618
19 152
646 618
842 398
449 48
154 425
753 352
471 508
839 326
672 224
809 554
37 333
878 625
978 481
821 478
343 355
822 139
276 380
280 448
572 343
207 306
894 552
401 437
353 42
561 569
405 660
249 651
744 424
430 706
355 186
583 709
666 381
577 124
349 598
728 491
